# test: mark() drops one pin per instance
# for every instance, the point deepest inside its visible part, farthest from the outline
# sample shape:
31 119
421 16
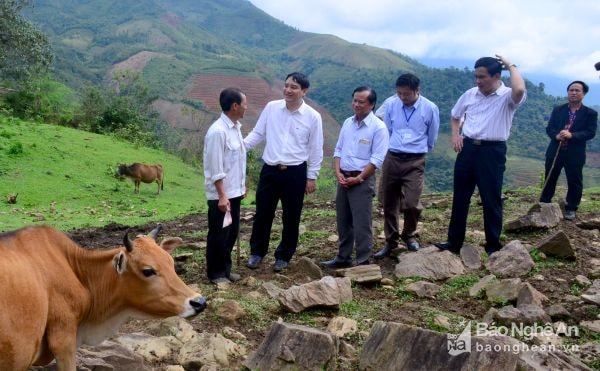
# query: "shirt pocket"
363 149
233 150
301 133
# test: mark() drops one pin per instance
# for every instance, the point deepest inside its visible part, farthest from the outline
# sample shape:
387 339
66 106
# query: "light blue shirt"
361 143
412 129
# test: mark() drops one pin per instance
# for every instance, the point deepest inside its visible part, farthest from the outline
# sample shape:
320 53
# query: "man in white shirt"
488 110
293 153
225 184
360 150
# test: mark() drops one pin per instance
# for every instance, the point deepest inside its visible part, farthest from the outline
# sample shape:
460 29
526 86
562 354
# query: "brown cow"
142 173
56 295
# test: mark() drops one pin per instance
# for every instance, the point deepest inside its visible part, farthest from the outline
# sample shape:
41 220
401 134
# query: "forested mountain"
170 43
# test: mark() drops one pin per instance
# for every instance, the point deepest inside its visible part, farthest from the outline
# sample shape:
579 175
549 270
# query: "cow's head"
122 170
148 277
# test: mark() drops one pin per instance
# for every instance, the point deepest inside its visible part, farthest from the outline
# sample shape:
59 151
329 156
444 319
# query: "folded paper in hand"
227 219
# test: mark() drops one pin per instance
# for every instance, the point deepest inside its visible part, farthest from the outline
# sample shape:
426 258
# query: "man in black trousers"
293 153
480 142
570 126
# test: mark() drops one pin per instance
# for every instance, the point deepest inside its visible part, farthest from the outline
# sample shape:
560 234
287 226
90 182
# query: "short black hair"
597 66
228 97
586 88
372 98
492 65
300 78
408 79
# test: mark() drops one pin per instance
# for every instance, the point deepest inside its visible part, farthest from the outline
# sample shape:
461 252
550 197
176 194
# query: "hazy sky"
550 37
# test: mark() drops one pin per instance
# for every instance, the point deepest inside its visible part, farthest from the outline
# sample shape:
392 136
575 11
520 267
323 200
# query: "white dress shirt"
224 158
487 117
291 137
361 143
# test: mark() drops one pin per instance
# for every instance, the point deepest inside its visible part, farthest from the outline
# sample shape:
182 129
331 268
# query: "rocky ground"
245 311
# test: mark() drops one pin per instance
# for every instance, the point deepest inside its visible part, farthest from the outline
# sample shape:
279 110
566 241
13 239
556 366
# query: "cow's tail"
162 181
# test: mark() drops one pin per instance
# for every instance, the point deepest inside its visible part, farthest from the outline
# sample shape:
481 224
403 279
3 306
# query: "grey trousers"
354 220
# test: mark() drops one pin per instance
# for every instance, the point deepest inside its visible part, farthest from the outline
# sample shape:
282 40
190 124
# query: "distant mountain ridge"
192 40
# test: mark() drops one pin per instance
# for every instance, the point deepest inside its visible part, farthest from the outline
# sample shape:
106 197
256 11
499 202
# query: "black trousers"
275 184
483 166
220 241
574 172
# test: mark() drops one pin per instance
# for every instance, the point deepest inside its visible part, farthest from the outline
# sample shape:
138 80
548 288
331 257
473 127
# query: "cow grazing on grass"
55 295
142 173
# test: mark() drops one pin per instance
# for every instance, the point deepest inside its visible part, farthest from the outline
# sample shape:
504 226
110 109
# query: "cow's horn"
127 242
155 232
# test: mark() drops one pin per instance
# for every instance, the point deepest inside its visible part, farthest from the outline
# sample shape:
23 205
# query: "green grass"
457 286
65 178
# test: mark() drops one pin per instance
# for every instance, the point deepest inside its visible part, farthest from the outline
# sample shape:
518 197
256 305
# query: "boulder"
327 292
430 263
396 346
153 349
480 285
470 257
503 290
209 350
424 289
540 216
370 273
513 260
529 295
342 326
557 245
307 266
592 295
295 347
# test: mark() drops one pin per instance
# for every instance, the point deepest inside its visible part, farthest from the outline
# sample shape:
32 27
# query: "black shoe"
364 262
279 265
570 215
447 246
412 244
386 251
253 261
334 264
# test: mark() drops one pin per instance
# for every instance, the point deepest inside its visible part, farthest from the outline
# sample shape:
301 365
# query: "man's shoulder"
590 110
308 109
428 102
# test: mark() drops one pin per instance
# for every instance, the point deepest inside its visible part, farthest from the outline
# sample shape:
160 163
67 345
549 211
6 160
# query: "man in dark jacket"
570 126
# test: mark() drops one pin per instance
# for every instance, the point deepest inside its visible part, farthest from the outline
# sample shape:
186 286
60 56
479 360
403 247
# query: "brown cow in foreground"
55 295
142 173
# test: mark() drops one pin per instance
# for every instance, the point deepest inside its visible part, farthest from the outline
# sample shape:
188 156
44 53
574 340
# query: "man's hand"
457 143
311 186
564 135
224 205
505 62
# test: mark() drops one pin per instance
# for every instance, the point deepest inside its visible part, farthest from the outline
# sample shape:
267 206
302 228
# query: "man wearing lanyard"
570 126
293 132
488 111
413 122
360 150
225 184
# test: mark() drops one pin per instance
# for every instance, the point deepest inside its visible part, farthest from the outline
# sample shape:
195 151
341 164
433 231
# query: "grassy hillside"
65 178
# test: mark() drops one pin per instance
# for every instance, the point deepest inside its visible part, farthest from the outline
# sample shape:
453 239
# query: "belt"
350 174
282 166
404 155
479 142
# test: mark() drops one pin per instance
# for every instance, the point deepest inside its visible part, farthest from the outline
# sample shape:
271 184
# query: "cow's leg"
62 341
158 184
137 187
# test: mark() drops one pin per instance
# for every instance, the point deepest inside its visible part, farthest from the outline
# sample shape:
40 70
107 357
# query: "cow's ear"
171 243
120 262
